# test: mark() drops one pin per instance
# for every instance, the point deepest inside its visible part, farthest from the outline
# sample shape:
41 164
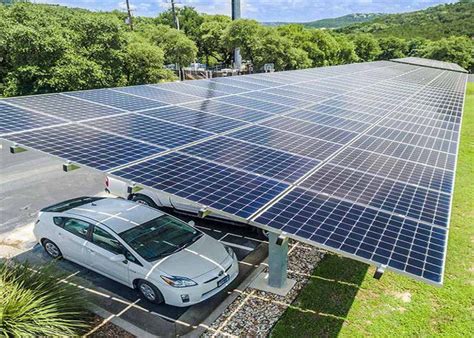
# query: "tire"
51 249
145 200
149 292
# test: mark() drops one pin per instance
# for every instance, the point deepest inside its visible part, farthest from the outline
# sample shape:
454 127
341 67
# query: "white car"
162 257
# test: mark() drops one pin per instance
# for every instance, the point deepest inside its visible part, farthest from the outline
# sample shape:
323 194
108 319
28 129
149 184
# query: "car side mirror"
192 223
118 258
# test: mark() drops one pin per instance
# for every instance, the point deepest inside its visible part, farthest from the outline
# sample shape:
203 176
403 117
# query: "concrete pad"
261 283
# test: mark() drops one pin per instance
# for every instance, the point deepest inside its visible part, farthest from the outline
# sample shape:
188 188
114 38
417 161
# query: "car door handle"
91 251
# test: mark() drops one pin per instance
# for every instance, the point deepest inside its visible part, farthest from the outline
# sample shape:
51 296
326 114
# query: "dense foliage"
436 22
46 48
37 304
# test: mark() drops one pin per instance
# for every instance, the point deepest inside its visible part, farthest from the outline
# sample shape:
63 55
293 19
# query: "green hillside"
338 22
432 23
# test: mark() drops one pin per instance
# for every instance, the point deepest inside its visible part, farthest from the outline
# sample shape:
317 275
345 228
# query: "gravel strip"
254 312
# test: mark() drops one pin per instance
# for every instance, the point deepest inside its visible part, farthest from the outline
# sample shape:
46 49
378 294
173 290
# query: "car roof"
117 214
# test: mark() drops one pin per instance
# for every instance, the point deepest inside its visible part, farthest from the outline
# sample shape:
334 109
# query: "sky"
261 10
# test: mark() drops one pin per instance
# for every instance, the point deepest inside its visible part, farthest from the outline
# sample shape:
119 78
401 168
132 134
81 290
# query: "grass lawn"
342 298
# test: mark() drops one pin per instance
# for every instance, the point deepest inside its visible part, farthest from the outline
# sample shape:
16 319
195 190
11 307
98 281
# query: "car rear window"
70 204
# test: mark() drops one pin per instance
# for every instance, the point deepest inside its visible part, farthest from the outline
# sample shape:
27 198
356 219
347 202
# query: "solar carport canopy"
357 159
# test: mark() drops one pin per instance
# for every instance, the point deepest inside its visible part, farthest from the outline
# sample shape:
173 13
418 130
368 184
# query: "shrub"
36 303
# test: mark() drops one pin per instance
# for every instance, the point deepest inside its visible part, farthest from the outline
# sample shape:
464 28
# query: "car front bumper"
204 290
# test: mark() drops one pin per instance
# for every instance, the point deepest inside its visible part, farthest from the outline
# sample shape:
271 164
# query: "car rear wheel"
145 200
51 249
150 292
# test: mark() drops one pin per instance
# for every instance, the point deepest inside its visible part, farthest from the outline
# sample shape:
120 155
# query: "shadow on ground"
322 307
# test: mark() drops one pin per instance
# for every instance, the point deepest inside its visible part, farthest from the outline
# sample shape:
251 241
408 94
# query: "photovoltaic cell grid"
358 159
430 63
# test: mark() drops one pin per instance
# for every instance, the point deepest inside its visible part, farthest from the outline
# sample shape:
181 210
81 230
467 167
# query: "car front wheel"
51 249
150 292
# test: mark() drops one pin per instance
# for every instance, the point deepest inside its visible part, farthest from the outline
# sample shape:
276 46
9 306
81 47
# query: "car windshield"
160 237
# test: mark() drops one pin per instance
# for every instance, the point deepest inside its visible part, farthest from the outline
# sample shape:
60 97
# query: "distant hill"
431 23
332 23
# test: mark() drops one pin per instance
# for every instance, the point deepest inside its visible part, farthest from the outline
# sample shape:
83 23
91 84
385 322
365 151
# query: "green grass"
342 298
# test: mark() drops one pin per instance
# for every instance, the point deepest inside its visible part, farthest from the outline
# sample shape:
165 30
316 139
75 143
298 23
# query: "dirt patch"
405 297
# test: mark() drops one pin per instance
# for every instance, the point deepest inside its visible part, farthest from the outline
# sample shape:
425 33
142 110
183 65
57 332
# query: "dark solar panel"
196 119
358 159
14 119
150 130
253 158
213 185
62 106
116 99
86 146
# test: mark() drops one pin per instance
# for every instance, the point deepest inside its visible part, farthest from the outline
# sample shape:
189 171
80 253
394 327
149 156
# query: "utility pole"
235 16
175 17
130 21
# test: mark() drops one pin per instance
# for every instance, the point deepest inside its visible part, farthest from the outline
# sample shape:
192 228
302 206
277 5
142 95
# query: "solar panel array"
357 159
431 63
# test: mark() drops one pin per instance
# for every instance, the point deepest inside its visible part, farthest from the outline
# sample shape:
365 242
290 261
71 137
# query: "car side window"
106 241
77 227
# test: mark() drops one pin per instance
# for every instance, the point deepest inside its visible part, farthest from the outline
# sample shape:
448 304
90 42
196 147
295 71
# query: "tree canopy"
45 48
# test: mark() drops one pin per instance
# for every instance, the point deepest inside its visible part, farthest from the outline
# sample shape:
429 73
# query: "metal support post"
277 260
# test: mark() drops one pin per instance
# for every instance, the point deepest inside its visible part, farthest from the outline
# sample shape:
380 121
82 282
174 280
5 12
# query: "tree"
211 33
327 45
455 49
244 34
415 46
280 51
144 64
392 48
177 47
366 47
189 21
346 53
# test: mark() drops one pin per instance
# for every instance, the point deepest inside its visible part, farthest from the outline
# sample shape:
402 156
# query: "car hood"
197 259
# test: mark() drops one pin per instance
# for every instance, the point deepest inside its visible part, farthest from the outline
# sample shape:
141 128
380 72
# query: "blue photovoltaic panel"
407 152
228 110
246 156
212 85
63 106
14 119
367 234
150 130
396 168
330 121
378 192
117 100
286 141
430 63
268 107
86 146
213 185
311 129
156 93
358 159
187 88
196 119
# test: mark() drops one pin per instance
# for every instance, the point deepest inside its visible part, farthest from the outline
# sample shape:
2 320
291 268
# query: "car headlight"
178 282
230 251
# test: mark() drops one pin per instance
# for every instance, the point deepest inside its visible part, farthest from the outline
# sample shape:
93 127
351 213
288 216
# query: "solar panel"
358 159
150 130
86 146
430 63
14 119
63 106
250 157
211 184
116 99
196 119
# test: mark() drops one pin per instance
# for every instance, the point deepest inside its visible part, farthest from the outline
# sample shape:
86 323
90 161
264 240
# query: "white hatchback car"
162 257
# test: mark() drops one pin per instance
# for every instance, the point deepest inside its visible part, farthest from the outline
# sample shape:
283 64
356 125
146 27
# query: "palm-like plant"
37 303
